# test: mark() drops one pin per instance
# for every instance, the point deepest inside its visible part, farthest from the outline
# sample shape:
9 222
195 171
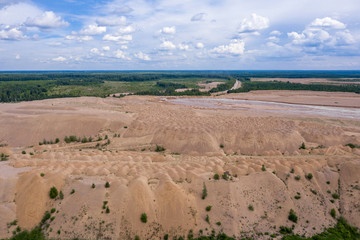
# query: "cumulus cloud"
275 33
126 30
93 29
142 56
199 45
198 17
17 14
236 47
167 45
117 38
79 38
96 51
168 30
184 47
106 48
120 54
59 59
11 34
46 20
254 24
111 21
328 22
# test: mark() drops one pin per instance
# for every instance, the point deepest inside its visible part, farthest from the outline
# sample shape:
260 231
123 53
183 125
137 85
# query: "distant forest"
27 86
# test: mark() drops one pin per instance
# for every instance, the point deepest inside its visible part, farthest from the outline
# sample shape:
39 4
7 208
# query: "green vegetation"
263 168
221 145
216 176
23 152
224 87
335 196
297 178
333 213
72 191
93 185
61 195
309 176
159 149
204 192
208 208
143 218
351 145
218 223
302 146
4 157
53 193
313 191
225 176
251 207
107 185
292 216
207 219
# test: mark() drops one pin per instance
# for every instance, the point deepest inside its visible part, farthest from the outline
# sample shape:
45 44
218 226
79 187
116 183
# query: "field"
180 167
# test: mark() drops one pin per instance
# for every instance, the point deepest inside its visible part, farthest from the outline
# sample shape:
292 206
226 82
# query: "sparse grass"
143 218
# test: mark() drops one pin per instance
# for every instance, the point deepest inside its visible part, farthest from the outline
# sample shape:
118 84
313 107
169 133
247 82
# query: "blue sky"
175 35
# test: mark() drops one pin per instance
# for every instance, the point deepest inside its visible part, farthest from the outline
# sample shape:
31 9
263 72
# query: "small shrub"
57 140
204 192
31 153
125 127
53 192
328 182
221 145
107 210
137 238
208 208
93 185
251 207
53 210
106 136
302 146
61 195
107 185
292 216
207 219
313 191
263 168
143 218
218 223
285 230
292 170
225 176
309 176
297 197
159 149
216 176
297 178
333 213
42 174
72 191
23 152
84 140
335 196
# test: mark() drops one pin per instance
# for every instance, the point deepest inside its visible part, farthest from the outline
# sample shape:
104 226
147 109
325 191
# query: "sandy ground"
304 80
167 186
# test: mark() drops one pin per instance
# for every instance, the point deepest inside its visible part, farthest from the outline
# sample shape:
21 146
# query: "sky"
179 35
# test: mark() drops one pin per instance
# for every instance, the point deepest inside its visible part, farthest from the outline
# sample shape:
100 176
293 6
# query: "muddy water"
270 107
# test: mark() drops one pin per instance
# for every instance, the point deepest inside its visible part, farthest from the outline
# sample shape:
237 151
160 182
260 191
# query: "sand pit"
257 152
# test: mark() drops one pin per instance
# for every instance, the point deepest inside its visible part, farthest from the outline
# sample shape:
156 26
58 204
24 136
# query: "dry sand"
167 186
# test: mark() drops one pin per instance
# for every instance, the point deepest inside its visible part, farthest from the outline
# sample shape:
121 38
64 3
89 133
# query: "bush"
302 146
107 185
333 213
53 192
297 178
93 185
72 191
107 210
61 195
251 207
143 218
335 196
313 191
159 149
285 230
57 140
204 192
23 152
216 176
263 168
207 219
221 145
225 176
218 223
309 176
292 216
42 174
208 208
53 210
137 238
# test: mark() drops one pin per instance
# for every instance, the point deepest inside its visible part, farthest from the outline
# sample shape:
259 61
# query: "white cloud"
96 51
198 17
254 24
275 33
142 56
119 38
124 47
236 47
199 45
79 38
17 14
93 29
120 54
111 21
168 30
106 48
11 34
59 59
46 20
167 45
274 39
126 30
183 46
328 22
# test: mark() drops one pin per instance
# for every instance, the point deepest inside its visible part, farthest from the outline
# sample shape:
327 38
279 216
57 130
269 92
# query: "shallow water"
270 107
